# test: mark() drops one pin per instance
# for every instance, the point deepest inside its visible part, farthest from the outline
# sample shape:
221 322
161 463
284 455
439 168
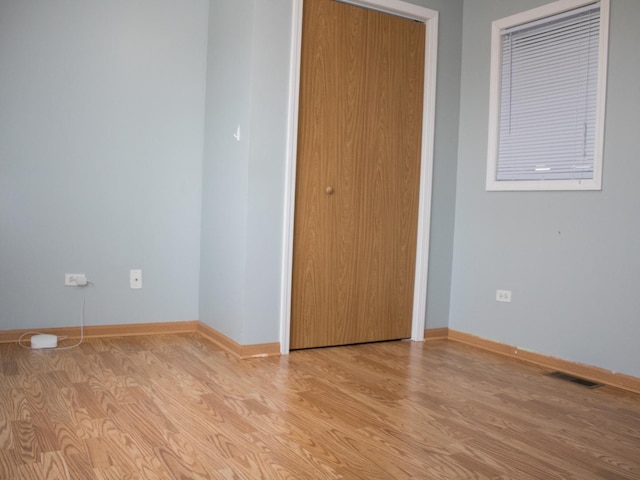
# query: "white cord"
84 299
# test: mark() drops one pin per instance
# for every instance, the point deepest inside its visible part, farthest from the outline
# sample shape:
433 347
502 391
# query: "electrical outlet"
503 296
75 279
135 279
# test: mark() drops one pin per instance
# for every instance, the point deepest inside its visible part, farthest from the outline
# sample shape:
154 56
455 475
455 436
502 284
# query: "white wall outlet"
135 279
75 279
503 296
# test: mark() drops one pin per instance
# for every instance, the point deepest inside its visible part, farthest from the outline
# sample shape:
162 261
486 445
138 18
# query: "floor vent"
573 379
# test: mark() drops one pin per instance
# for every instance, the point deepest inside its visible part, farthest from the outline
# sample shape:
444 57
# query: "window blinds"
548 93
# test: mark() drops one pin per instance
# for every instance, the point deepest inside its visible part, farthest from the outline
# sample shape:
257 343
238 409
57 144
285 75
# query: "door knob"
328 190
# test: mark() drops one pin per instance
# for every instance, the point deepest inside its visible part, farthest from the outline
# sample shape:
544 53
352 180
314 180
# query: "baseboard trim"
436 333
596 374
134 329
242 351
100 331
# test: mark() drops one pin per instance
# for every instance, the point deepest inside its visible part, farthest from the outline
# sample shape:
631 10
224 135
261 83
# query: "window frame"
497 27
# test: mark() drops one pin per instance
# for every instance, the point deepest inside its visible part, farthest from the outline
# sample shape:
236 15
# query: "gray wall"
101 132
225 168
445 159
243 181
570 258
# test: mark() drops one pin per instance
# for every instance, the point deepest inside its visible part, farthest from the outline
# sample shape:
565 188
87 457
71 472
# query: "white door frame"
430 19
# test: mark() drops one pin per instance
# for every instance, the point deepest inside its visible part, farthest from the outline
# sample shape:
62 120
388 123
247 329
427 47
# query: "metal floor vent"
573 379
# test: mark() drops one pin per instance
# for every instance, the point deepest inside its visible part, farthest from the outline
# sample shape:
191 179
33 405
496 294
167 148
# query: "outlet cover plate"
71 279
503 296
135 279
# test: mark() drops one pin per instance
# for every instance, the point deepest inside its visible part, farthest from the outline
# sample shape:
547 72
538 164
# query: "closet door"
358 169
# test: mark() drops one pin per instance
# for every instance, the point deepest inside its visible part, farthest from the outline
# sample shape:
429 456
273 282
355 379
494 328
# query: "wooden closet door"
358 169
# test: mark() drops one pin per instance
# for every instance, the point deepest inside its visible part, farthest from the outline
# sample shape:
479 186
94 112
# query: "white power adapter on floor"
44 340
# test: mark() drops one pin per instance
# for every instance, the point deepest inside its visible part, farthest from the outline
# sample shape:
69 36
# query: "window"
546 120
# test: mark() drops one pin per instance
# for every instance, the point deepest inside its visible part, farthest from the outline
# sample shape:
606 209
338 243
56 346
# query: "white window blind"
548 97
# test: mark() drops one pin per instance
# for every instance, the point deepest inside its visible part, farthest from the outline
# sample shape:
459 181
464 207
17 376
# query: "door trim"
430 19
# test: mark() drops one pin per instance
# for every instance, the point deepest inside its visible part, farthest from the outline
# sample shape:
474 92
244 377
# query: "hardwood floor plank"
44 433
30 470
88 400
26 447
8 464
98 453
180 467
6 434
10 368
305 456
19 407
54 466
144 424
79 467
70 444
177 406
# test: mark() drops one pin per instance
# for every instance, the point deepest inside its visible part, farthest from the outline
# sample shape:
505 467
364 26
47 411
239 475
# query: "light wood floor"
178 407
